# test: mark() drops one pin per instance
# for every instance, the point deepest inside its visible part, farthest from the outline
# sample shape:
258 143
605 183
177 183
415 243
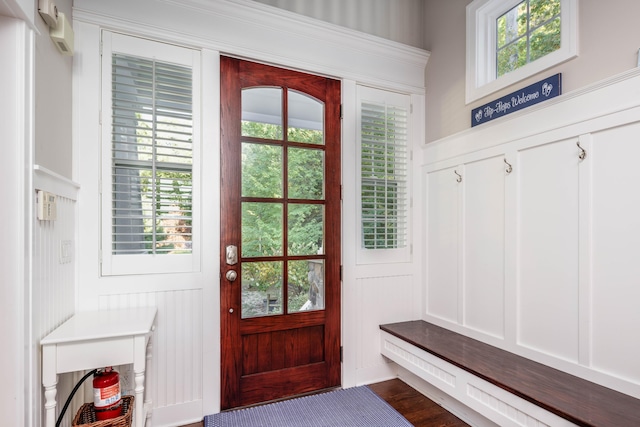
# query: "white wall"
400 21
53 147
607 45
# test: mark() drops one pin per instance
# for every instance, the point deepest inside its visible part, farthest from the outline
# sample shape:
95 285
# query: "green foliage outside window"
527 32
262 222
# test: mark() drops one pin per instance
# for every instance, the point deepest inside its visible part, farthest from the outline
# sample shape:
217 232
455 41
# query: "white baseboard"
374 374
176 415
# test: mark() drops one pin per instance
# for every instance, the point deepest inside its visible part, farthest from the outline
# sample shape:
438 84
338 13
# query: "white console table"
97 339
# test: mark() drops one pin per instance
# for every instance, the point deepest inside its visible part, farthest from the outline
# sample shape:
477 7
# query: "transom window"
511 40
527 32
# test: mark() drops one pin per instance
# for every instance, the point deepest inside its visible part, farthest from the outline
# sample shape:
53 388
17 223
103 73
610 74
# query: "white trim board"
44 179
584 106
263 33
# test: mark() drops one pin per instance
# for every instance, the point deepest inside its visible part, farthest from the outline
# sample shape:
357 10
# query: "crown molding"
267 34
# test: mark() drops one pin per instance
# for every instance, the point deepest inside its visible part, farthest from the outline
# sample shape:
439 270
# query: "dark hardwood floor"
414 406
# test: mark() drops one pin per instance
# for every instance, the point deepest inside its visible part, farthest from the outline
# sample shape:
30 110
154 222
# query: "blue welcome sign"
530 95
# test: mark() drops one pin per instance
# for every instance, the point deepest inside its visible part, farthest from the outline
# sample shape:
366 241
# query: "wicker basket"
86 416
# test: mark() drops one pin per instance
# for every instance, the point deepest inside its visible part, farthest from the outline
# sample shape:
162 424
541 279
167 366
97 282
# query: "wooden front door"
280 233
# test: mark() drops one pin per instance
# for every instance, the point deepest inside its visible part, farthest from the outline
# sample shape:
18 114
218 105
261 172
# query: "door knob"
231 275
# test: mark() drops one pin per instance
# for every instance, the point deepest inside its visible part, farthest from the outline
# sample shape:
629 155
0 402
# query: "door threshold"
295 396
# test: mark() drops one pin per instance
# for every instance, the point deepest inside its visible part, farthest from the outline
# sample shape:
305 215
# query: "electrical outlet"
66 251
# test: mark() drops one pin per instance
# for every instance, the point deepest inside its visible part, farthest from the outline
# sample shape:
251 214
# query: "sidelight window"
384 172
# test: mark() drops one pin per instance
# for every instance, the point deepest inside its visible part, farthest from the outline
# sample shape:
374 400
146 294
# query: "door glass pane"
306 119
306 229
261 229
306 285
306 177
261 170
262 112
261 288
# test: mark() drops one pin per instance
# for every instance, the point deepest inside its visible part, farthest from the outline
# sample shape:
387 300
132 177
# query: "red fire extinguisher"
106 394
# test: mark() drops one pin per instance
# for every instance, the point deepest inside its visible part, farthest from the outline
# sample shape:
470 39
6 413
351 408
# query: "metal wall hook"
509 167
459 178
583 153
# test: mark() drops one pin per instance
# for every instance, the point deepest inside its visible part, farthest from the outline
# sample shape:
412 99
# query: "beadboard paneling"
175 371
53 293
380 300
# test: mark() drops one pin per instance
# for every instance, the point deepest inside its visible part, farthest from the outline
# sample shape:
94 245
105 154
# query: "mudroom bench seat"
506 388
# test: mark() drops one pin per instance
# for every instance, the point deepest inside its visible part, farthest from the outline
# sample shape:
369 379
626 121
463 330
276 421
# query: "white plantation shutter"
384 175
149 176
152 156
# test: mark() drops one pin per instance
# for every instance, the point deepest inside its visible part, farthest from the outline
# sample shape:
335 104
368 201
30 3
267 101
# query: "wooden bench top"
580 401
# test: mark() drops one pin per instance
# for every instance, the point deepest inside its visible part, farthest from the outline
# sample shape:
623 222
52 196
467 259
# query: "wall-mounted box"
46 206
62 35
49 12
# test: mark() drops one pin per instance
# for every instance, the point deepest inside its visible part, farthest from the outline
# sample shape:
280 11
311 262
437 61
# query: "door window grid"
286 174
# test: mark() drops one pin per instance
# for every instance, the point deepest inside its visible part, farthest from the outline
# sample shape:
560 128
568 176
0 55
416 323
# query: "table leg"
50 384
138 413
50 392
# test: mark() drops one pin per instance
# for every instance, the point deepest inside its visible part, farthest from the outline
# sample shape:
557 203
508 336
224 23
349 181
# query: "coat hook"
509 167
583 154
459 178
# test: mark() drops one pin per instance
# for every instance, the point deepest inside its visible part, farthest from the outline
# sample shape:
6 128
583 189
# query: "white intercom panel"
46 206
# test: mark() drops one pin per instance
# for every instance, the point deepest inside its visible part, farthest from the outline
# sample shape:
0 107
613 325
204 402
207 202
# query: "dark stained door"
280 233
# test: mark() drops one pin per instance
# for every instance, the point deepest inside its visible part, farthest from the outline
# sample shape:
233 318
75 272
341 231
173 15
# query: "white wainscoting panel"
484 243
616 251
571 232
380 300
443 234
175 376
548 227
53 292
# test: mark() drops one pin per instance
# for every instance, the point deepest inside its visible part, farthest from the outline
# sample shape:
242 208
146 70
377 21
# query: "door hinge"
340 354
341 273
340 110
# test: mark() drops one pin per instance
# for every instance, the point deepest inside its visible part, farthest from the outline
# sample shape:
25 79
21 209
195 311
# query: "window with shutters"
384 173
149 153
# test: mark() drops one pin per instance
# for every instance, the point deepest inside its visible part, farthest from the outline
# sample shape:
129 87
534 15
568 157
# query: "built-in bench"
445 359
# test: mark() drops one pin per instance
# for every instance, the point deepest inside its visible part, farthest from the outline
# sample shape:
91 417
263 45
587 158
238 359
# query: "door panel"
280 201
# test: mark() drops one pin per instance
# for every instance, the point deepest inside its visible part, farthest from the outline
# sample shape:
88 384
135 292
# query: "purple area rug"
353 407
